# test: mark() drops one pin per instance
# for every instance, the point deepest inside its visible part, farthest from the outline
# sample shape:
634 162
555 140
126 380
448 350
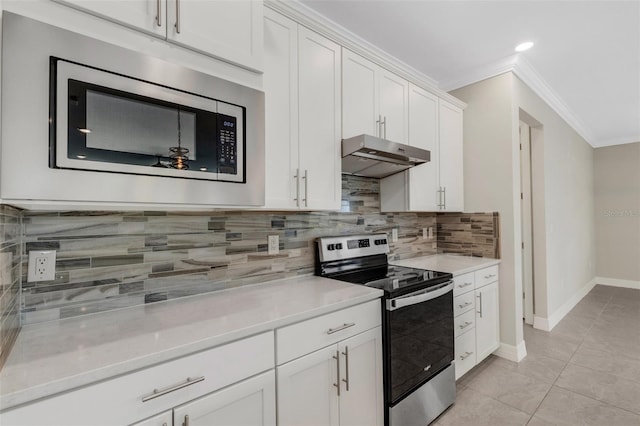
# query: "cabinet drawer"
463 283
307 336
486 276
465 346
463 303
119 400
464 322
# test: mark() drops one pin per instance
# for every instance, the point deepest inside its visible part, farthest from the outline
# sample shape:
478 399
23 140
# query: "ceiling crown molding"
522 69
313 20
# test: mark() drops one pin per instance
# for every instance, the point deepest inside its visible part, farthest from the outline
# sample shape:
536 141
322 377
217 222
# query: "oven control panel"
351 246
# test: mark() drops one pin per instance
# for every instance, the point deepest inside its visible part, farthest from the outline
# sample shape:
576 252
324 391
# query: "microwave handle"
400 302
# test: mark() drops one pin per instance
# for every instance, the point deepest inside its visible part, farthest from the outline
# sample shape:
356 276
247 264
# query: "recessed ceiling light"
524 46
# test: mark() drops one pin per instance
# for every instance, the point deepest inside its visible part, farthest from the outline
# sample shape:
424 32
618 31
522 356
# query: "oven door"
419 338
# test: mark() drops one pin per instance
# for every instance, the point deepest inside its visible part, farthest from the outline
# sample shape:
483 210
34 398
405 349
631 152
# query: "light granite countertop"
54 357
454 264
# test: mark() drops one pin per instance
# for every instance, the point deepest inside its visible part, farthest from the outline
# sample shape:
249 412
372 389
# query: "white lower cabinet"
476 322
338 384
248 403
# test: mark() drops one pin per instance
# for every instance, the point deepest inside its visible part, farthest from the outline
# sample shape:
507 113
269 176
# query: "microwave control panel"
227 145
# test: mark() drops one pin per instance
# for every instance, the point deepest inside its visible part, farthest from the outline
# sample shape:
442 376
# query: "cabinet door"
359 109
164 419
248 403
361 392
281 110
393 100
423 133
307 393
319 121
451 158
144 15
487 321
229 30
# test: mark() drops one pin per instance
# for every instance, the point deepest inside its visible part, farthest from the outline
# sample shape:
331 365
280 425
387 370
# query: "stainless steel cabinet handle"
158 13
444 197
486 277
379 123
177 16
466 324
384 124
306 188
297 178
346 369
342 327
465 305
157 393
480 304
464 285
466 355
337 383
186 420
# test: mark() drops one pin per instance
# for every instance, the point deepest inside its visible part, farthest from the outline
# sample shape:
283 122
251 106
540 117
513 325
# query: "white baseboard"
614 282
512 353
547 324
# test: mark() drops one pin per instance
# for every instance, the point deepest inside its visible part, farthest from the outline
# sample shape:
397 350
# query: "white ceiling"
585 62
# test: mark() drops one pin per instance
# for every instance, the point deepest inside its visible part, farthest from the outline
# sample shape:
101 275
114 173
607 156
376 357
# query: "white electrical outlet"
430 232
425 233
42 265
394 235
274 244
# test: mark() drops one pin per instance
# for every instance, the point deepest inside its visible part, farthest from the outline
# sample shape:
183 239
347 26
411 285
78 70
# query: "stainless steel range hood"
369 156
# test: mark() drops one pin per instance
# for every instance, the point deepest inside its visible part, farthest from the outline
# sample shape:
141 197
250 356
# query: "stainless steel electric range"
418 335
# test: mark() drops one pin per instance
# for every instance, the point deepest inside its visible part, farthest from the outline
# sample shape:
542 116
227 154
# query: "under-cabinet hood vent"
369 156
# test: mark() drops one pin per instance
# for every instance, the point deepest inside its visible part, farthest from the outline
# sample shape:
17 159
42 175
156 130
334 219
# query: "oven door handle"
422 296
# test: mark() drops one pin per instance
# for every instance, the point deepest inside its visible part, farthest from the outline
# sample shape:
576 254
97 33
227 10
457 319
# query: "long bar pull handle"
297 178
464 305
342 327
480 303
346 370
384 127
466 324
486 277
337 383
306 188
379 123
444 197
186 420
157 393
464 285
466 355
177 16
158 13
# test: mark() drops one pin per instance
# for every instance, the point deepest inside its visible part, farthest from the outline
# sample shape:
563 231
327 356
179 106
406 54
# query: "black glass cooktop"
394 280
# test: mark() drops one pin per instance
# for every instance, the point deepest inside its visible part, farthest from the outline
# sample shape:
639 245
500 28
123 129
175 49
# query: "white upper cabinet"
434 125
451 158
228 30
302 122
423 133
281 110
374 101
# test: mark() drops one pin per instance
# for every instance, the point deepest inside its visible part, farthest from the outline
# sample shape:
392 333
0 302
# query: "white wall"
490 182
617 198
569 219
563 196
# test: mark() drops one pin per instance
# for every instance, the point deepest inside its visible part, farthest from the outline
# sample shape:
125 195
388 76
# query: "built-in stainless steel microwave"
114 123
89 121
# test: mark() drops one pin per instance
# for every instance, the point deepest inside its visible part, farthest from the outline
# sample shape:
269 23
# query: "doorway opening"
526 209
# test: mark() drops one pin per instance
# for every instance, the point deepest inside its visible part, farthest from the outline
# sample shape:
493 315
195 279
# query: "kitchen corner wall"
110 260
10 234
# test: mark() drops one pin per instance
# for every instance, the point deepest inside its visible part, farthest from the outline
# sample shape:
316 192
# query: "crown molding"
313 20
529 76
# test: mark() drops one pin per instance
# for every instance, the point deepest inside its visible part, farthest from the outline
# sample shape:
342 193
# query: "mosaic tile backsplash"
110 260
10 233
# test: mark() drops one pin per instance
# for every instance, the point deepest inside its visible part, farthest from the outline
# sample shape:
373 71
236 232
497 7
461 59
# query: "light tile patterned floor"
586 371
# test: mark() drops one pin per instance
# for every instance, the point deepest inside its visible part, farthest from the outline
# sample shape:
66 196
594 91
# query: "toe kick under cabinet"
477 332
